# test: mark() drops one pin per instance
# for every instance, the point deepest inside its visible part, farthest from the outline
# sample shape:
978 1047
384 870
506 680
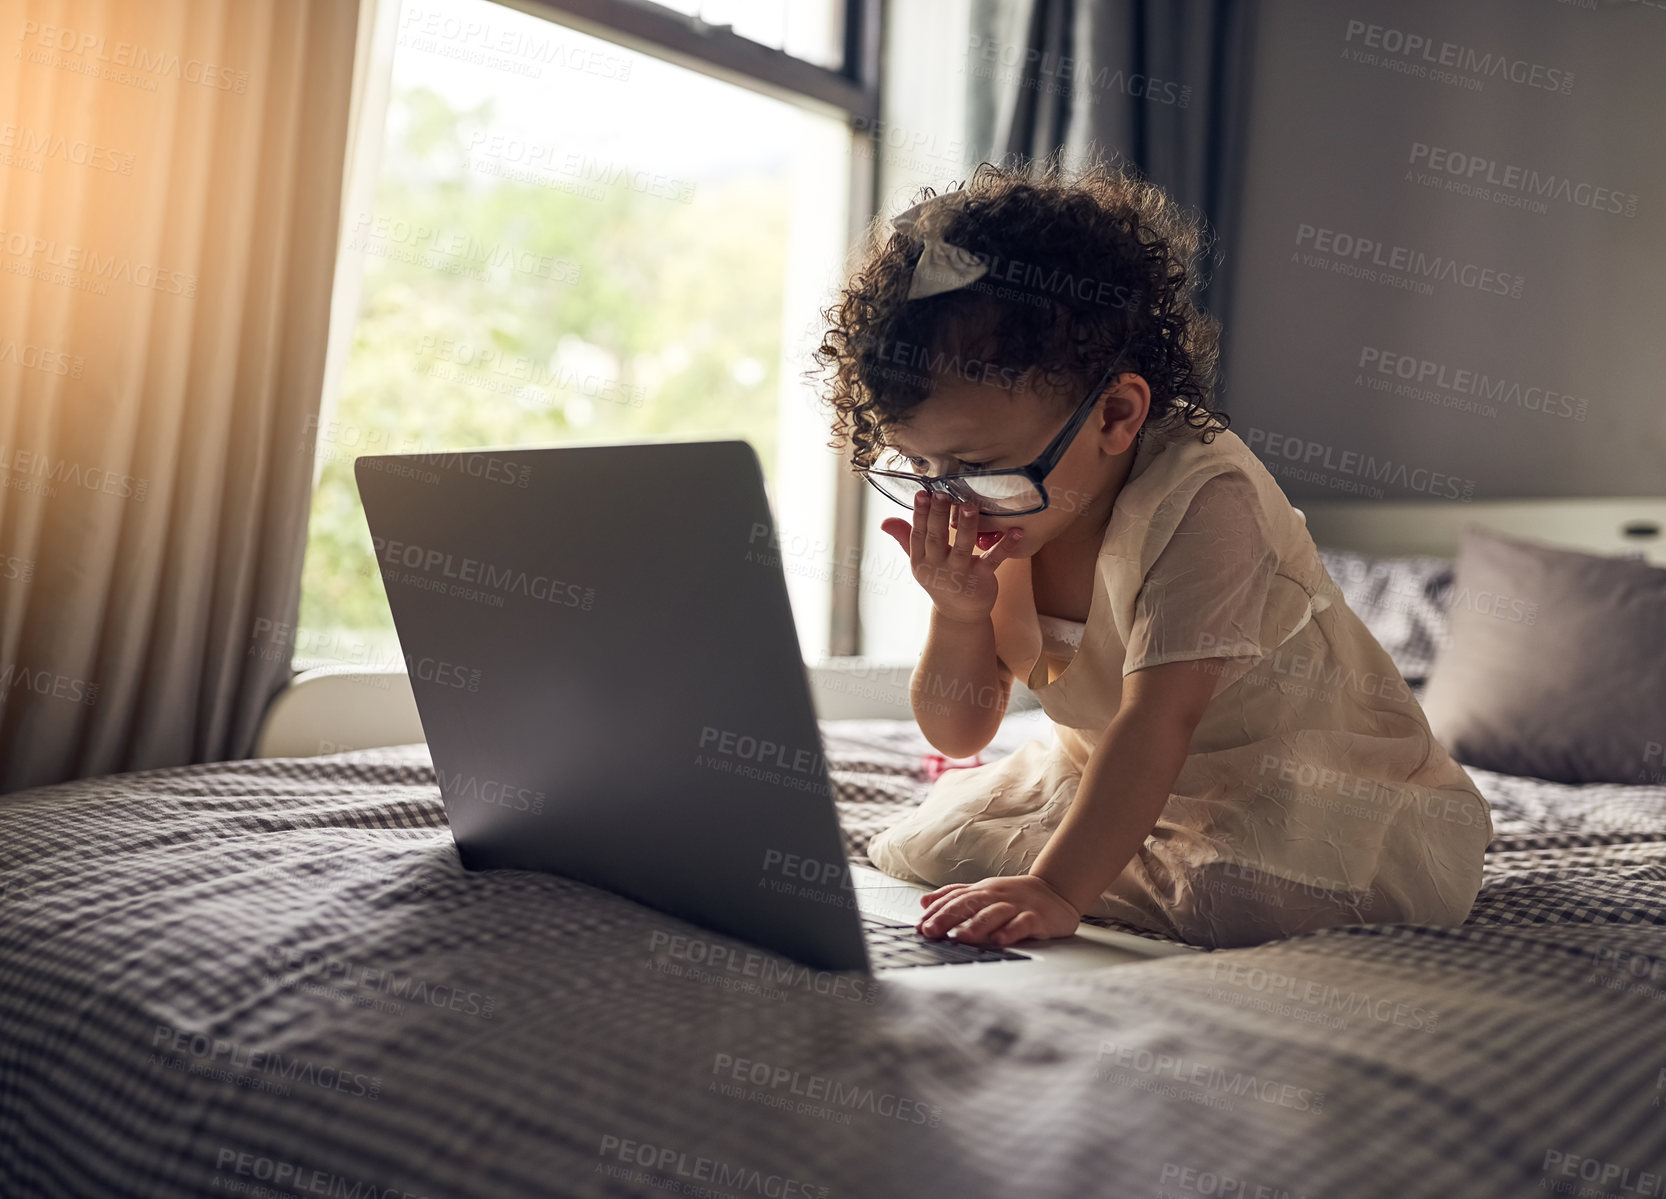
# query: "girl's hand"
998 911
960 582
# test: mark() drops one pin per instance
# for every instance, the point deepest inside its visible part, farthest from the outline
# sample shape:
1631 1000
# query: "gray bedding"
273 977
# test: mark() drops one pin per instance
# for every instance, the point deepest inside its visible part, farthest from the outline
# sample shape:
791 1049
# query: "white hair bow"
941 267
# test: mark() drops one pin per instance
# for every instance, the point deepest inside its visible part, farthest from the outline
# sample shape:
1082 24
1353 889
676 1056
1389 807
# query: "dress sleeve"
1210 591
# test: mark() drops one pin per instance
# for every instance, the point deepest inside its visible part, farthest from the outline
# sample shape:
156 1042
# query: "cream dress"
1313 793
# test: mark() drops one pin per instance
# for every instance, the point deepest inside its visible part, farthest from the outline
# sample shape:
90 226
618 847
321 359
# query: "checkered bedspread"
272 977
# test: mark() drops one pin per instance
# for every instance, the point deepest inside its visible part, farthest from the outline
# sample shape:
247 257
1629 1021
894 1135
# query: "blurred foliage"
677 300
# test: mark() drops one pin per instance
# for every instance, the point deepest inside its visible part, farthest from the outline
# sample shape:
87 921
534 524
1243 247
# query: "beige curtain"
170 185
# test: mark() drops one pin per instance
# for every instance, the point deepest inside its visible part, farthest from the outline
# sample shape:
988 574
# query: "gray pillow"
1555 665
1401 600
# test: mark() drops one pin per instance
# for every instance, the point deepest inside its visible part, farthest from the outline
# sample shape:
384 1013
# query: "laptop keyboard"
891 944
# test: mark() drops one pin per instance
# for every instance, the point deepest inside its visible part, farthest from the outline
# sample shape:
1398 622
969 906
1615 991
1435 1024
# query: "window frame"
719 51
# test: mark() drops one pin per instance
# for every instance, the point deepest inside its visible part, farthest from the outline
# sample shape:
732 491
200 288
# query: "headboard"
1387 528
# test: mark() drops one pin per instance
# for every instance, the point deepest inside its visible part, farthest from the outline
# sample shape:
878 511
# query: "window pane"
576 244
927 137
809 29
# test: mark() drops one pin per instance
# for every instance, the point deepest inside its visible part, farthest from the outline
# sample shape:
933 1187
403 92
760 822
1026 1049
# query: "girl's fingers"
922 509
1025 924
937 528
950 911
946 889
987 921
899 531
937 905
965 536
1001 550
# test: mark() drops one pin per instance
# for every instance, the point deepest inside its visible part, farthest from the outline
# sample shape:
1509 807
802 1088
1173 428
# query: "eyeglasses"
1017 491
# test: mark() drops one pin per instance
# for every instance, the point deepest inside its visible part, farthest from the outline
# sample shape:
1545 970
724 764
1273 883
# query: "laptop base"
1089 948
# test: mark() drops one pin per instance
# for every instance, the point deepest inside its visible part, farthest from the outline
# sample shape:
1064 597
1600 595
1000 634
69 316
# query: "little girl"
1237 759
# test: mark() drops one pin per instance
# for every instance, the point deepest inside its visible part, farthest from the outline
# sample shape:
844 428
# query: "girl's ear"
1123 411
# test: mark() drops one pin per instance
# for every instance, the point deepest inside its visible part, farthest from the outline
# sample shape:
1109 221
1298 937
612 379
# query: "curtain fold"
1038 117
1162 83
1167 82
170 194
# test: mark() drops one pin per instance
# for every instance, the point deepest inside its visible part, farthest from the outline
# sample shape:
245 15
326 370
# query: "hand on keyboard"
891 944
998 911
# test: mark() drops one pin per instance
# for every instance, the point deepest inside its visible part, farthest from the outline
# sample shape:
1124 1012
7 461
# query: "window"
925 139
572 240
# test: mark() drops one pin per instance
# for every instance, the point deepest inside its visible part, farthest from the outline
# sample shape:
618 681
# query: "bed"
272 977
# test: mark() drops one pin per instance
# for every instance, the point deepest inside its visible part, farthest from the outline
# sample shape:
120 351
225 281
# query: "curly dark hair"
1082 264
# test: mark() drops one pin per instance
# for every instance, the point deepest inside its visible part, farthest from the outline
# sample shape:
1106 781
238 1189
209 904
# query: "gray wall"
1534 332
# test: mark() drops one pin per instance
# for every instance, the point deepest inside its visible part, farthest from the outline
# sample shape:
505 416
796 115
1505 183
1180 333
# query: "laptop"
604 659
